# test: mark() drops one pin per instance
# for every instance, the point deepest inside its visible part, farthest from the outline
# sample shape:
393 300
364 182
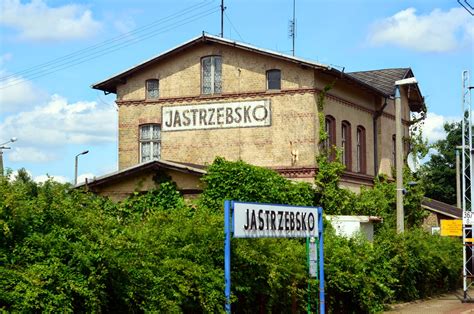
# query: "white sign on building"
216 115
272 221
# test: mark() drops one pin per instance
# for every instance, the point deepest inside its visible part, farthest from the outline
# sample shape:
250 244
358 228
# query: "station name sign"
216 115
274 221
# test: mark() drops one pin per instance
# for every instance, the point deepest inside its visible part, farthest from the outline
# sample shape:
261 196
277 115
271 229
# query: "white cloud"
84 176
45 177
18 94
438 31
59 123
30 154
14 174
124 24
37 21
433 128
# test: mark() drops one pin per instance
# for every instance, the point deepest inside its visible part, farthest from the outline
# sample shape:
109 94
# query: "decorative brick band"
392 117
310 172
252 94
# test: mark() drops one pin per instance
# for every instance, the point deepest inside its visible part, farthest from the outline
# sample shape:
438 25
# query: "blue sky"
55 114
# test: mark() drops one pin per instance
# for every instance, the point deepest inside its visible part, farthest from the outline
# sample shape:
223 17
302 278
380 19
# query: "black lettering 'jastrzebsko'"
278 220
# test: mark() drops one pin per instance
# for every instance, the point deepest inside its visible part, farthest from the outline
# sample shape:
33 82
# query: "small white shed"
348 226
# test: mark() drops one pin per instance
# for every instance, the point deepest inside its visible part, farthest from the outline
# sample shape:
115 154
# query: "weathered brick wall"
293 114
294 126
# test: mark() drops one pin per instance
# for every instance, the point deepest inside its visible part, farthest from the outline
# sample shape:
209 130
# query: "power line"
111 40
233 27
81 57
62 66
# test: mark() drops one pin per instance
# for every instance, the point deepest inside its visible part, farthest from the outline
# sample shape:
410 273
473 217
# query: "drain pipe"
377 115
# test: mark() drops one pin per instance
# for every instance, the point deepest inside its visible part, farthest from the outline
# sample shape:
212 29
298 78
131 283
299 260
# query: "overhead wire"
81 58
111 40
232 25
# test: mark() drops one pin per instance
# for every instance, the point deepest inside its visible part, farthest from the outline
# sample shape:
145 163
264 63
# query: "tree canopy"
439 173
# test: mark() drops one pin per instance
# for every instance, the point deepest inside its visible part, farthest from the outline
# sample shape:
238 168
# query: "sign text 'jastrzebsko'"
216 115
266 220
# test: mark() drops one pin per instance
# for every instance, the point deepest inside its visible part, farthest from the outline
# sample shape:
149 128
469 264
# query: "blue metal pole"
308 307
227 212
322 304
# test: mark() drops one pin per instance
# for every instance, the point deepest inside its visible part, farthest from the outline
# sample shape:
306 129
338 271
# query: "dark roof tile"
442 208
382 80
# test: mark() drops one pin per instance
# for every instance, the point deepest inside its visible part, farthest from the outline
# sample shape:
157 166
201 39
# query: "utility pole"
467 188
458 177
399 151
399 161
222 18
292 28
2 147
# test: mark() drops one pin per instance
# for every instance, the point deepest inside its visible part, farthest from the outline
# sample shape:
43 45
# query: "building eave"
109 85
149 165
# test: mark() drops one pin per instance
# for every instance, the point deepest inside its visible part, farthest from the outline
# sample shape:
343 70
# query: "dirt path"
445 304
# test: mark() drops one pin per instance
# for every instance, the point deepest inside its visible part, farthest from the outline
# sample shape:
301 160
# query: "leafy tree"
50 254
439 173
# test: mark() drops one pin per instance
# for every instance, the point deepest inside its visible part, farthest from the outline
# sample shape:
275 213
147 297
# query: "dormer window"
152 89
211 75
273 79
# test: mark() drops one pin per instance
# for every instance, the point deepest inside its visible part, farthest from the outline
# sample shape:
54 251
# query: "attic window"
152 89
211 75
274 79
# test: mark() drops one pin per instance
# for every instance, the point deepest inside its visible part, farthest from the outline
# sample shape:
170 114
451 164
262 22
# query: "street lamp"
75 165
399 150
2 147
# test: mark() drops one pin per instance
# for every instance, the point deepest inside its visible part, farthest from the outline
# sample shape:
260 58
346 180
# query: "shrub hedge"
70 251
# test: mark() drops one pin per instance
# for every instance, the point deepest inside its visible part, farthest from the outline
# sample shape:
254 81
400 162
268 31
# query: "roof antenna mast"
222 18
292 28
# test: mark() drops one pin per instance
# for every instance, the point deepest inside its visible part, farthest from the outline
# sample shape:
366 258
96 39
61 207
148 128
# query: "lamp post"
2 147
75 165
399 151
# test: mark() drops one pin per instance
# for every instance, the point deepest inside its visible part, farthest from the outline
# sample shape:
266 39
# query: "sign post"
255 220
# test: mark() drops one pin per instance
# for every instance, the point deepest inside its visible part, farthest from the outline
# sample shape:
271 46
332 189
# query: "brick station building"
215 97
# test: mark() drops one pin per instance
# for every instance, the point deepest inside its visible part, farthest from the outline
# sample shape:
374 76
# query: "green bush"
50 252
71 251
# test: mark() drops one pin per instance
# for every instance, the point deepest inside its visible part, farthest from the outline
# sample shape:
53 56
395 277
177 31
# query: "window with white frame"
211 75
150 142
152 89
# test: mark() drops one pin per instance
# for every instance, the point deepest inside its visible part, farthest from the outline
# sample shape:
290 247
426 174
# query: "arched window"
150 142
152 89
361 150
330 142
211 72
274 79
346 143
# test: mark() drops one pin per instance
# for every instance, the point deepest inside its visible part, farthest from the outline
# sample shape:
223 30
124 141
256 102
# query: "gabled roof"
442 208
384 81
109 85
151 165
